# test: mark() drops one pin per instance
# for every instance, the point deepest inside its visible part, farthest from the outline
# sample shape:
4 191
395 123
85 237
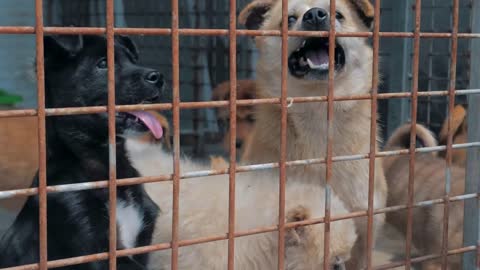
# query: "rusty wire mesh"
175 32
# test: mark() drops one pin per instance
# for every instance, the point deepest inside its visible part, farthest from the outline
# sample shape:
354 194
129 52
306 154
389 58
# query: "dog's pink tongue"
151 122
318 57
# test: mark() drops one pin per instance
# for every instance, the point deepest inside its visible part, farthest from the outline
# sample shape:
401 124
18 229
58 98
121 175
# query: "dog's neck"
307 123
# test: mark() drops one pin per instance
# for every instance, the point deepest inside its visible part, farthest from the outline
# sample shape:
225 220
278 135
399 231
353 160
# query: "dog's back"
429 184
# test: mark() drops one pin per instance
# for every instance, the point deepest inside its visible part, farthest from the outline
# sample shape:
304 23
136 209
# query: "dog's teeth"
303 43
323 66
136 119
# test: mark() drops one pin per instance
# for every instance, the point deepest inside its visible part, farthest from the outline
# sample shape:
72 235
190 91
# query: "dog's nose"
153 77
315 19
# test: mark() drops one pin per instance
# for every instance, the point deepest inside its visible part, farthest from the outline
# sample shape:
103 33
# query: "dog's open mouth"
141 121
312 57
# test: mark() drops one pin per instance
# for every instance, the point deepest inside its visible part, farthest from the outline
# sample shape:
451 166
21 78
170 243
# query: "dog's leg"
358 258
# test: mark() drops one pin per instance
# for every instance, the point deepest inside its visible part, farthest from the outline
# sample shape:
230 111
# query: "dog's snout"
153 99
315 19
153 77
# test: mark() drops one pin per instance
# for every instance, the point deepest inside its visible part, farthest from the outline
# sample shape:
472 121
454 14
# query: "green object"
9 99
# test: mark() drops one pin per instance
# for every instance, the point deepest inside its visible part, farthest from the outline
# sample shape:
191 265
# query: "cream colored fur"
307 122
204 212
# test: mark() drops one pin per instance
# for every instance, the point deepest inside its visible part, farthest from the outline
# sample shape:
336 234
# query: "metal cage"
410 90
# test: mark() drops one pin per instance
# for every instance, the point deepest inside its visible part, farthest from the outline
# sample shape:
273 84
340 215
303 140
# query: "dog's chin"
310 61
126 125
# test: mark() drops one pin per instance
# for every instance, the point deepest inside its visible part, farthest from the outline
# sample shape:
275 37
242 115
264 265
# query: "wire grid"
176 32
200 134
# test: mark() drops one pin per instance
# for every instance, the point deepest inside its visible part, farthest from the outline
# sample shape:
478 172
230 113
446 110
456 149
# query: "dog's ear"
71 44
130 45
365 10
253 15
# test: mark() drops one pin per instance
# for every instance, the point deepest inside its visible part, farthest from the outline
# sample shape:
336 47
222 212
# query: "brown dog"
19 144
245 114
307 122
460 135
19 157
429 184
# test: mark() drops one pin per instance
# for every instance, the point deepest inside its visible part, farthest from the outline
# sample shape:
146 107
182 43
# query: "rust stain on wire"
201 240
413 135
217 32
451 104
176 132
217 104
283 139
239 169
373 133
329 151
233 133
42 172
112 156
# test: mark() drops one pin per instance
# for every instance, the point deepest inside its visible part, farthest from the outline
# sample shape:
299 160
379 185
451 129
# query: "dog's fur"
245 114
429 184
307 122
460 135
204 212
19 158
166 138
77 151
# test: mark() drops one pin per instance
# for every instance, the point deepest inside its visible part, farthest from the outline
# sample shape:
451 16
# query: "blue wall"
17 52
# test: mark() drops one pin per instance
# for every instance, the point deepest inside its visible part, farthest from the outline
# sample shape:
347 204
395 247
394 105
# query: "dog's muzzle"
312 56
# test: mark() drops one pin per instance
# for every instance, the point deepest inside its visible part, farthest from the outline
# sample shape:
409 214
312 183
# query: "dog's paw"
298 235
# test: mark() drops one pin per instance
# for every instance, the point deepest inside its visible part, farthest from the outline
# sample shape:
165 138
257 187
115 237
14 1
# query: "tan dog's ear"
365 10
459 115
253 15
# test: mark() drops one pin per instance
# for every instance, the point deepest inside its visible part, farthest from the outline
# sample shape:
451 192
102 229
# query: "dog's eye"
291 20
102 63
339 16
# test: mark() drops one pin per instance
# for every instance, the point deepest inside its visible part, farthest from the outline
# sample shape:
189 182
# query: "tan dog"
149 138
245 114
460 135
307 122
429 184
204 212
19 157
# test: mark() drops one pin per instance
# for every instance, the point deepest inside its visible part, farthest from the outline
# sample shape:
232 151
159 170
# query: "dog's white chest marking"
129 223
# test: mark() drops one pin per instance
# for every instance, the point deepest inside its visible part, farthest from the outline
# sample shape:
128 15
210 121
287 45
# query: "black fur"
77 151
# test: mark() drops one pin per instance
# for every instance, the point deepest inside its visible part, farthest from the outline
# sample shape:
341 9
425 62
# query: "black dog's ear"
71 44
253 15
129 44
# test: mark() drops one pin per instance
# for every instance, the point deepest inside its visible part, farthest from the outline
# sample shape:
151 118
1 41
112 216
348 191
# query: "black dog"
77 151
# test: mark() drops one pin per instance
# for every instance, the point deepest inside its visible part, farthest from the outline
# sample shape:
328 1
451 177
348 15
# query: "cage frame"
39 30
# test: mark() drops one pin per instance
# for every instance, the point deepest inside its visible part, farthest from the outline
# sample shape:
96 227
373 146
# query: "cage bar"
176 131
472 193
233 132
283 139
413 135
373 133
